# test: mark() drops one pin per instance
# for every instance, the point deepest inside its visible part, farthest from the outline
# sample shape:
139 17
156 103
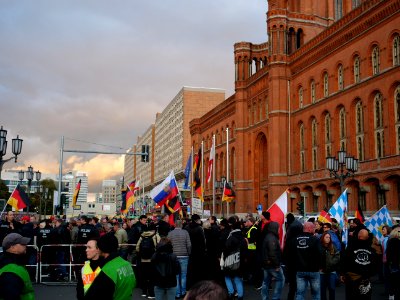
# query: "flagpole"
227 166
191 186
213 176
202 175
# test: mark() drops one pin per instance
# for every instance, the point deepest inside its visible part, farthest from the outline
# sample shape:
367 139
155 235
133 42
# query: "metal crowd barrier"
73 266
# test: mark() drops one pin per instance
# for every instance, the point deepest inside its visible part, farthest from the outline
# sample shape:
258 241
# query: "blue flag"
187 172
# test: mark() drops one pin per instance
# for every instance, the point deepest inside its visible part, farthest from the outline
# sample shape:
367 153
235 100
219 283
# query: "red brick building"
327 79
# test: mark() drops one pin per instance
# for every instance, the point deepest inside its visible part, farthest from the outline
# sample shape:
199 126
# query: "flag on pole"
211 161
377 220
359 214
228 194
324 217
137 187
196 175
129 200
339 212
166 190
278 211
173 206
76 193
123 200
187 171
18 198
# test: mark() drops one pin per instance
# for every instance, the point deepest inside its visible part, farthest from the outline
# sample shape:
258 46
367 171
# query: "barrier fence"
46 264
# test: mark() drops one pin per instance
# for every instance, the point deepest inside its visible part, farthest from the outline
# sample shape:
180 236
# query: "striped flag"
377 220
18 198
228 194
196 175
339 212
76 193
324 217
211 161
359 214
278 211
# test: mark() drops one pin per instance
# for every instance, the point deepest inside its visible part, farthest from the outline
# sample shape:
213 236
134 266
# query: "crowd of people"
177 262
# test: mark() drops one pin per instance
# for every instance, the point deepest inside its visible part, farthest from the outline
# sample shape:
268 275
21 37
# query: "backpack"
147 247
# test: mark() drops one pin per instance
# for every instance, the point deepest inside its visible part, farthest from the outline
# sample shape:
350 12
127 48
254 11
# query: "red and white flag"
278 211
211 161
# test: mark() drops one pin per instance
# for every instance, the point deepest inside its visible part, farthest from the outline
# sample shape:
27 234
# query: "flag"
132 185
166 190
137 187
76 193
228 194
187 171
377 220
324 217
173 207
358 214
123 200
18 198
211 162
129 200
278 211
196 175
339 212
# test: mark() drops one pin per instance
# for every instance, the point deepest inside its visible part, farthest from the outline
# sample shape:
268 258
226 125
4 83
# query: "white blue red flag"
377 220
339 212
166 190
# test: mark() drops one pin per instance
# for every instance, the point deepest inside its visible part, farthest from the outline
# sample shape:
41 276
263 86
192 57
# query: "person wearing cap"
116 280
15 282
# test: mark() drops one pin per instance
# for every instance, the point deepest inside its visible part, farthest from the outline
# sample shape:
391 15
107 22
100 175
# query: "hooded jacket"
236 241
165 265
271 250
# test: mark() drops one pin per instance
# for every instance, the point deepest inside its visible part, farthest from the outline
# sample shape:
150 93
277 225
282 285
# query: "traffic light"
300 207
145 153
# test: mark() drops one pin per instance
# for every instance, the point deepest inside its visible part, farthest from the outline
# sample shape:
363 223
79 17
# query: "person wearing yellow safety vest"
251 237
116 280
15 282
90 270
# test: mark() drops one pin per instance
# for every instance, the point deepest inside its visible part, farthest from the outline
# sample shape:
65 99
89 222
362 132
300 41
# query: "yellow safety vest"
88 275
251 246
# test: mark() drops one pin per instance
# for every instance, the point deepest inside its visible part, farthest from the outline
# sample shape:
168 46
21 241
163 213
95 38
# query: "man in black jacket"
307 250
272 260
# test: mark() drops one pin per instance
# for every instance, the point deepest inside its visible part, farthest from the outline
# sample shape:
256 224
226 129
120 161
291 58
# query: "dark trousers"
146 274
291 279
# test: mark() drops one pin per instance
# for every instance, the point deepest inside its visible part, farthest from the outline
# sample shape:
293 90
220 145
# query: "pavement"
68 291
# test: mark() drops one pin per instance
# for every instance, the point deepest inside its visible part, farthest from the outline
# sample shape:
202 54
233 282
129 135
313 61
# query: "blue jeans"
181 278
328 280
164 293
279 283
238 281
302 278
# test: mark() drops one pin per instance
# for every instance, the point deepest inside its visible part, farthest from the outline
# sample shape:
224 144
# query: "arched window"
356 69
300 97
302 154
396 50
340 78
312 89
314 143
326 84
342 128
378 122
375 60
360 130
328 149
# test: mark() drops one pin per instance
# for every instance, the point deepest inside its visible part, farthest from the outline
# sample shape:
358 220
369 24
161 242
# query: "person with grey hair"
182 247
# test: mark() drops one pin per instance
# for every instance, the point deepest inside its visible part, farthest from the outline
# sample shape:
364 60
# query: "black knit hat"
108 243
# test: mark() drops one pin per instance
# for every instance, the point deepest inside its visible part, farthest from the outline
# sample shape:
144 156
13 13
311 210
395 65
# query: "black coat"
235 241
271 250
165 266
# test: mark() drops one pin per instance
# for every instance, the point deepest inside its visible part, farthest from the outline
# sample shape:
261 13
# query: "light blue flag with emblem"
187 171
377 220
339 212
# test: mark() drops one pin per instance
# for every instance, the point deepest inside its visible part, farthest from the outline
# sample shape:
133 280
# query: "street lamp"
16 148
29 177
342 167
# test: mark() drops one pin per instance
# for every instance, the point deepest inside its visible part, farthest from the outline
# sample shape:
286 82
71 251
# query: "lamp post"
220 185
342 167
29 177
16 148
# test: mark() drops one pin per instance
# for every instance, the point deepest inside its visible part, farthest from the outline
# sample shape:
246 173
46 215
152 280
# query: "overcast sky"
97 71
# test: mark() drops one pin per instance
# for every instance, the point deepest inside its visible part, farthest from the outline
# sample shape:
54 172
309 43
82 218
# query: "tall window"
396 50
360 130
328 149
379 133
342 128
397 117
355 3
312 88
338 9
326 84
266 108
300 97
340 78
356 67
314 143
302 154
375 60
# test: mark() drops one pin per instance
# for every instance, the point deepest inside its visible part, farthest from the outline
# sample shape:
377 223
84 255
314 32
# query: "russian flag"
166 190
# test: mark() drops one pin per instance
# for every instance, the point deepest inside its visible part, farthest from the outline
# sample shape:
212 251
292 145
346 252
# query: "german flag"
324 217
18 199
228 194
129 200
76 193
173 208
123 200
196 175
358 214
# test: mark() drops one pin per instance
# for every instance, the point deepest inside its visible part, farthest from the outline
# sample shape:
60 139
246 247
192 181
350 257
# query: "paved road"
59 292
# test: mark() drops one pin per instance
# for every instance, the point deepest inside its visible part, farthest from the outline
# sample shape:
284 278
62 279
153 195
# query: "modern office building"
109 190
